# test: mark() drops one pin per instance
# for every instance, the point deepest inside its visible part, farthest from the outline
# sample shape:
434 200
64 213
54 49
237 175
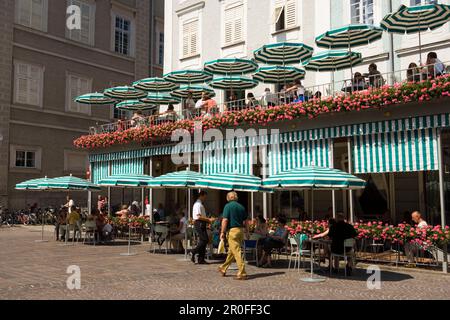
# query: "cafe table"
319 243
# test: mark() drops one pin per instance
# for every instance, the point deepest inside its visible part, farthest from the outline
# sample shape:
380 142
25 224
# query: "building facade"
44 64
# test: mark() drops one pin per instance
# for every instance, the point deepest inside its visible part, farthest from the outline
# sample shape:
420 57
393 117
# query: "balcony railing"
324 91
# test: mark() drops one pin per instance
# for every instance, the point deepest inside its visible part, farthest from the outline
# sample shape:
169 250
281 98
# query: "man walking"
200 223
234 217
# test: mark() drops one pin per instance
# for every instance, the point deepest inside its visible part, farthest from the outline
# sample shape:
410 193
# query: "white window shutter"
291 13
34 85
194 38
234 24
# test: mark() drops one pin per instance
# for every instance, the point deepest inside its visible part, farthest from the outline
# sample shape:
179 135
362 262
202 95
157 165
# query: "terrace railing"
323 91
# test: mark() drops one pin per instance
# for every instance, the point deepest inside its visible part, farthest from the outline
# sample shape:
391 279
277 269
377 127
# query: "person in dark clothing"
200 223
338 232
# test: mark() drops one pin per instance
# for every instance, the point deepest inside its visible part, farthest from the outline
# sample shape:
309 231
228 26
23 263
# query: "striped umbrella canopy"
155 85
278 74
160 99
333 60
188 76
349 36
95 98
232 182
124 93
314 178
32 184
180 179
416 19
228 82
231 66
283 53
134 105
126 181
196 91
69 183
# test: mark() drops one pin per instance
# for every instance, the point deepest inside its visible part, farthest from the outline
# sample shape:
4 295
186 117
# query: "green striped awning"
226 160
134 105
349 36
417 18
155 85
68 183
180 179
287 156
188 76
279 74
229 82
126 180
402 151
131 154
314 178
124 93
196 91
99 171
230 66
127 166
160 99
283 53
333 60
231 182
95 98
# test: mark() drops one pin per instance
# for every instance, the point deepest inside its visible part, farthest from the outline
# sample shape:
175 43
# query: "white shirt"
198 210
70 205
199 104
184 222
422 224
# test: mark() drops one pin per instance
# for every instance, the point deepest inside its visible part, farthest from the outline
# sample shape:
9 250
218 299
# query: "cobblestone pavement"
30 270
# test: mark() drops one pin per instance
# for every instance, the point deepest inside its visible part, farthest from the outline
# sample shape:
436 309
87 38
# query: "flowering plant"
398 94
131 221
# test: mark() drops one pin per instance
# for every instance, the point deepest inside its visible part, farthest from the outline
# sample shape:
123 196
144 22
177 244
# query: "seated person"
339 232
138 119
414 74
179 234
170 114
411 249
358 82
261 227
123 213
61 224
274 241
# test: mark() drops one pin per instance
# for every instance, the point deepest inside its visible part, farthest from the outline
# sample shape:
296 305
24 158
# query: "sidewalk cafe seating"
90 231
349 253
297 252
162 237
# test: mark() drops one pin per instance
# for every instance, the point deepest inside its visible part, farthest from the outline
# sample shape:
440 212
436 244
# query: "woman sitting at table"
276 240
124 212
261 227
358 83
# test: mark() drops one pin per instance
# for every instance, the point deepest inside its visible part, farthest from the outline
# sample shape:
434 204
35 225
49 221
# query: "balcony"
376 91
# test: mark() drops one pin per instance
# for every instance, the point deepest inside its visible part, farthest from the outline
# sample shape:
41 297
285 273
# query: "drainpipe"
151 46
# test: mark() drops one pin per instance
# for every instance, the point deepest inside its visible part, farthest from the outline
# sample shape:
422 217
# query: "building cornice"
190 8
59 113
425 48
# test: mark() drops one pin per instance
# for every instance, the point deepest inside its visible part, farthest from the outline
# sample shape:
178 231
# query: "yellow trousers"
235 239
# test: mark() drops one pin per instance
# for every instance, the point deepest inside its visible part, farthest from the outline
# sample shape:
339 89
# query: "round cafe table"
319 243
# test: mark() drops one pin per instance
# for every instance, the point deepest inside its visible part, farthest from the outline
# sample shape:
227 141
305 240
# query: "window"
234 24
122 35
421 2
285 14
32 14
28 83
190 38
77 86
362 11
86 33
161 49
24 157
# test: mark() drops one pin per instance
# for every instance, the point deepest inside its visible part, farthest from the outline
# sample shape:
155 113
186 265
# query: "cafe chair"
251 247
349 253
297 252
162 238
89 228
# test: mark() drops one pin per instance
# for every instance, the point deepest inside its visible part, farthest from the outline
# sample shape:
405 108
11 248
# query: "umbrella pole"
42 230
420 47
311 278
351 62
188 201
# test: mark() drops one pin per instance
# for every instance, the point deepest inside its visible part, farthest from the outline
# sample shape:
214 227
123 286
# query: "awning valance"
127 166
233 160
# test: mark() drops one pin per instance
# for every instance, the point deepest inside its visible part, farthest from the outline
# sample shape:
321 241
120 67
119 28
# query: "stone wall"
142 39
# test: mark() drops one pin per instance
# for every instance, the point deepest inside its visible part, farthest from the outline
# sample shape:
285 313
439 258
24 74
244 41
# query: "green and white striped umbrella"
232 182
126 181
229 82
283 53
278 74
155 85
231 66
32 185
124 93
314 178
134 105
196 91
333 60
180 179
160 99
95 98
188 76
69 183
416 19
349 36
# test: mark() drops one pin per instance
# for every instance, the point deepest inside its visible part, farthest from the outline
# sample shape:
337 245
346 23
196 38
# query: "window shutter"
83 88
234 24
28 79
37 14
21 83
34 82
279 10
291 13
190 38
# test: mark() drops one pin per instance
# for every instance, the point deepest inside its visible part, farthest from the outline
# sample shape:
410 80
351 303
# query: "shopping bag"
221 248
